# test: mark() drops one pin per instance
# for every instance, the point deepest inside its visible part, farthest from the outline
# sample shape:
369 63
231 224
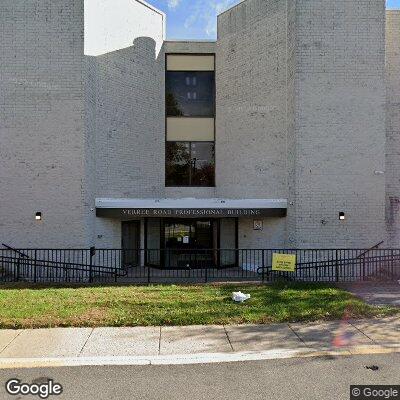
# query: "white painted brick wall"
301 105
129 122
253 89
112 25
339 122
316 69
393 127
126 103
251 101
42 123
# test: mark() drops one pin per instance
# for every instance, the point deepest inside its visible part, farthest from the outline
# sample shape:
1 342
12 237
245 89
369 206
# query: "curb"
185 359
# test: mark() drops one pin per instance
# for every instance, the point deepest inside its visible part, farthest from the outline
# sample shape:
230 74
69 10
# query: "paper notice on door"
186 239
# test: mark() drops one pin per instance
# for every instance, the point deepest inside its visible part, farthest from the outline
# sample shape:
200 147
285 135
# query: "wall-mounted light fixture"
38 216
342 216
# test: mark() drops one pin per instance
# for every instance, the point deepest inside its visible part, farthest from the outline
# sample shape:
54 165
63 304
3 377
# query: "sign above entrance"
187 212
188 208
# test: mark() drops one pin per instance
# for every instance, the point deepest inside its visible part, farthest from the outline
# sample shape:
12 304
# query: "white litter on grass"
240 297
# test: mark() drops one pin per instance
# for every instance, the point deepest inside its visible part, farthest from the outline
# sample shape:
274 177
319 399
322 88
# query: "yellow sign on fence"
284 262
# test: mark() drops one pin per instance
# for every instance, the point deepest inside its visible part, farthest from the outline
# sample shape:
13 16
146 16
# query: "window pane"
203 170
179 234
177 164
190 94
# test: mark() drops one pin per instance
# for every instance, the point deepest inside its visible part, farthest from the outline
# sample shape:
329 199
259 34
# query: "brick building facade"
305 140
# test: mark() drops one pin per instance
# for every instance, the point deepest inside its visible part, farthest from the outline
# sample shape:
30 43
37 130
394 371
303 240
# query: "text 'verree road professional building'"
283 133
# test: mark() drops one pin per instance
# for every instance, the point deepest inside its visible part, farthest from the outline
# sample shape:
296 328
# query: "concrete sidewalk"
382 293
230 342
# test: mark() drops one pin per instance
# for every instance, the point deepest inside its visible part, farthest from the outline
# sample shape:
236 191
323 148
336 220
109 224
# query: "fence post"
392 263
34 267
263 266
337 267
92 254
363 269
90 270
206 275
18 271
92 251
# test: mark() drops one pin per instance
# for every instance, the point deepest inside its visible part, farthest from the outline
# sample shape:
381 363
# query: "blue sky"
196 19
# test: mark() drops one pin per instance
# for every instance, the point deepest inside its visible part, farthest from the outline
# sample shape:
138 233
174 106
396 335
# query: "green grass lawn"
34 307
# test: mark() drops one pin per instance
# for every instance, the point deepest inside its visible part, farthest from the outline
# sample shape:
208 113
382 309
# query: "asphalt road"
306 378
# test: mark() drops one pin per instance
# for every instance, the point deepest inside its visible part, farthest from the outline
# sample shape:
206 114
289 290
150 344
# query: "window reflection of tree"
203 169
173 109
203 175
190 164
178 152
178 161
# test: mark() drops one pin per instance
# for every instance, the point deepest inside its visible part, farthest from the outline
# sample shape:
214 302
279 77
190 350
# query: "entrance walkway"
191 344
376 293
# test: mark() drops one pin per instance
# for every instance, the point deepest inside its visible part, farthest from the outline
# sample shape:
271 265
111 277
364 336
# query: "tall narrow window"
190 125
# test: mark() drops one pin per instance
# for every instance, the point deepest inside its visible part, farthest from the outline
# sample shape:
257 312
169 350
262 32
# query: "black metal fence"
193 266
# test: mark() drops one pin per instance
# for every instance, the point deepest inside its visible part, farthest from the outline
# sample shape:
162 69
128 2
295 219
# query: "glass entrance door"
188 243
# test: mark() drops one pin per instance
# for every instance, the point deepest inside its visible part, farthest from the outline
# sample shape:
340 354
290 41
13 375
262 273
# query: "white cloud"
173 3
205 13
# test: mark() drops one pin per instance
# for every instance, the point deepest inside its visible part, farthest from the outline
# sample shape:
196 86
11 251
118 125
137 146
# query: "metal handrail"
348 260
340 262
60 265
372 248
15 250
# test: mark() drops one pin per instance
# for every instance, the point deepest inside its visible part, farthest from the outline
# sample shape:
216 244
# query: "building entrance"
188 234
189 243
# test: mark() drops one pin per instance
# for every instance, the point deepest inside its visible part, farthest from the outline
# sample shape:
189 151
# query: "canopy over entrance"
190 208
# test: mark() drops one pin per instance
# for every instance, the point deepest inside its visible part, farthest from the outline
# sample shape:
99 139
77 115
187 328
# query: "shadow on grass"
227 285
